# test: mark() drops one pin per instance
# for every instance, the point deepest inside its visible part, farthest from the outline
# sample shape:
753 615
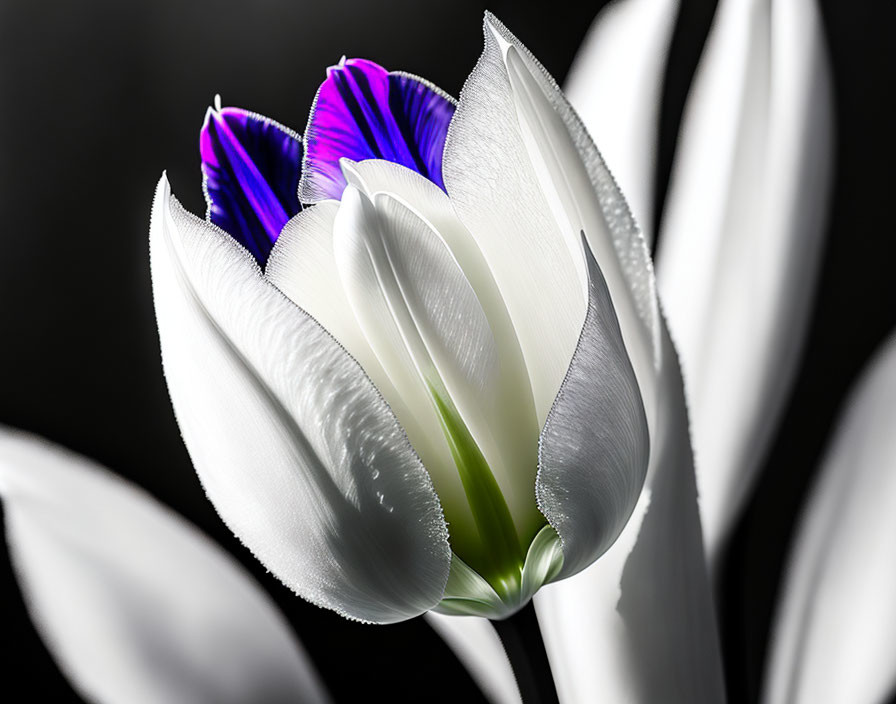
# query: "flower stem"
523 644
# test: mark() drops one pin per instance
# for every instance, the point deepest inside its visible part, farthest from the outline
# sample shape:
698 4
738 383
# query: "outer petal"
638 625
477 645
295 447
251 167
742 232
361 111
594 447
835 632
526 180
615 85
134 603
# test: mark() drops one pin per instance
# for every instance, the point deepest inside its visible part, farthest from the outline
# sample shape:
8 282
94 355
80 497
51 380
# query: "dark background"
99 96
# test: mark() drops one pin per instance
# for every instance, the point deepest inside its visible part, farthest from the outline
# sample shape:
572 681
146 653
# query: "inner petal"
507 409
363 111
432 338
251 167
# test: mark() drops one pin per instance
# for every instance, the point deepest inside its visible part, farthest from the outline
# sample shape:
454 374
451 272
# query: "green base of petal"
469 594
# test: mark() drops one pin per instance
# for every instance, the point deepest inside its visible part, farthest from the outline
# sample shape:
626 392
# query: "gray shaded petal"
594 447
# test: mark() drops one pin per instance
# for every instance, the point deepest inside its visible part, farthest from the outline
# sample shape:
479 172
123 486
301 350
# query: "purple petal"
364 112
252 167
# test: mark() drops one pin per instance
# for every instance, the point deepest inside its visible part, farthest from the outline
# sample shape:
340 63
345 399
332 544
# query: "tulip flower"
444 387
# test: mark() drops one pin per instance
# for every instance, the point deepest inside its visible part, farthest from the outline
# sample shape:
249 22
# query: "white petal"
493 188
615 85
422 320
479 648
134 603
834 635
594 448
741 235
508 407
294 445
638 625
301 265
527 180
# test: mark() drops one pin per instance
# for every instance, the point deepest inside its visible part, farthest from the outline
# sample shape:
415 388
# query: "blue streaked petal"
364 112
251 166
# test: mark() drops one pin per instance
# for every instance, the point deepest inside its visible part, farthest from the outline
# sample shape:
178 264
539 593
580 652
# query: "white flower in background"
134 603
834 634
744 218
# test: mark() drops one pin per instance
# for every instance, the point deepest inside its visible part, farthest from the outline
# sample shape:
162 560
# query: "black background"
98 96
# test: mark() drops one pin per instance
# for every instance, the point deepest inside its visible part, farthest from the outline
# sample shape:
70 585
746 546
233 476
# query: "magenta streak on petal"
252 168
364 112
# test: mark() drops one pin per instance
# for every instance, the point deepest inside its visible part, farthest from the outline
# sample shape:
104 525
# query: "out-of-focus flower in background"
133 602
744 219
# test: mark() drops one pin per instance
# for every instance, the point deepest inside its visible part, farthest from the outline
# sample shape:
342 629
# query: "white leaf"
615 84
741 235
477 645
134 603
834 635
295 447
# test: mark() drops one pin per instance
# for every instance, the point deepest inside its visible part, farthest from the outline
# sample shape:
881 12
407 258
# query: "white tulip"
438 395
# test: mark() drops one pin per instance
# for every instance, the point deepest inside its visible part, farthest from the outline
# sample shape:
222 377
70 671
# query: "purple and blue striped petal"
252 167
362 112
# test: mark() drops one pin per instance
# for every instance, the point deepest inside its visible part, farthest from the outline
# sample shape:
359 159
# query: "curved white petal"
615 84
502 413
508 410
834 635
477 645
526 179
134 603
594 447
494 191
638 625
742 232
294 445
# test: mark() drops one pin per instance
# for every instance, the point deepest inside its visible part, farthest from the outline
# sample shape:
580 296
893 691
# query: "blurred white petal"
477 645
741 235
294 445
615 84
134 603
834 635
